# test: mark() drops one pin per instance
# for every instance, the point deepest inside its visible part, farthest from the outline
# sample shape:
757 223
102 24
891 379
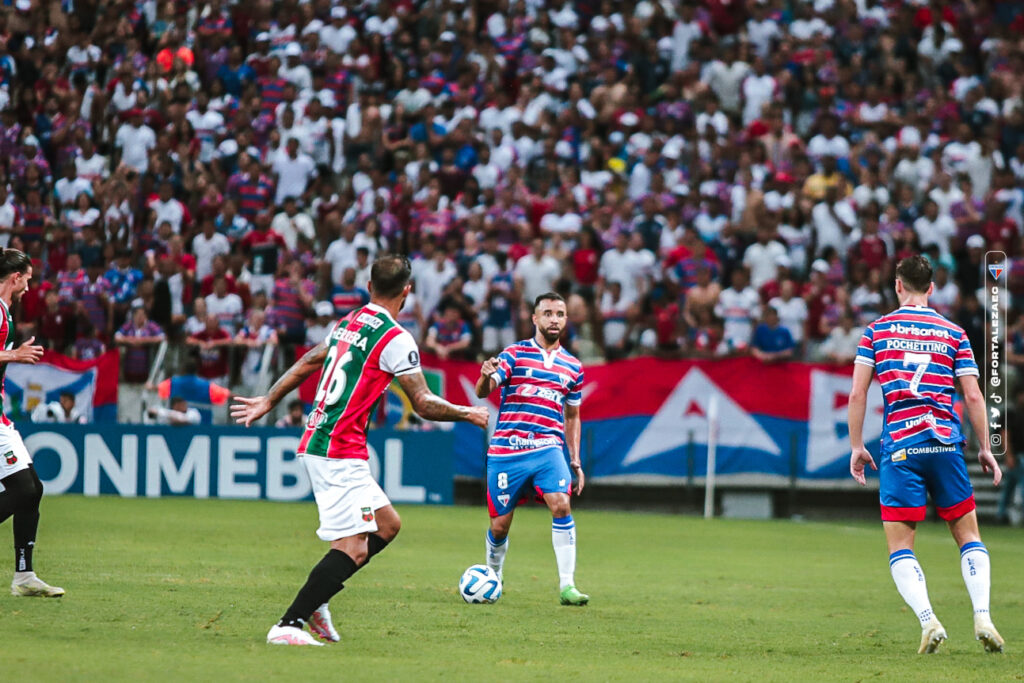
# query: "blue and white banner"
223 462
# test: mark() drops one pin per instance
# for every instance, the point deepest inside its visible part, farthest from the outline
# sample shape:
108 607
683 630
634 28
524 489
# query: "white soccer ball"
480 584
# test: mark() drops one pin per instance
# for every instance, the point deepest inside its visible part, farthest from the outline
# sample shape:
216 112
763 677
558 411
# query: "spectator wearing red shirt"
1000 231
264 248
819 295
54 324
213 345
871 249
586 259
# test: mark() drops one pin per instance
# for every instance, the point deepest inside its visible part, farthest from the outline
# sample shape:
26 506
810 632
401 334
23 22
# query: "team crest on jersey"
900 455
316 418
367 514
10 457
504 499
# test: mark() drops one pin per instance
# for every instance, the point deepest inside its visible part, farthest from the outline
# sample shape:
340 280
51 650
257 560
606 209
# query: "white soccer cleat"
290 635
988 635
34 587
932 636
320 624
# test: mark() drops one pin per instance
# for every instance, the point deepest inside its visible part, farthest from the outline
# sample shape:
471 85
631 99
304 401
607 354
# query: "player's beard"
551 337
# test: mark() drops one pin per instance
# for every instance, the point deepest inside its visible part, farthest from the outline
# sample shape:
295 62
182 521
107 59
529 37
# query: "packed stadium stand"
699 179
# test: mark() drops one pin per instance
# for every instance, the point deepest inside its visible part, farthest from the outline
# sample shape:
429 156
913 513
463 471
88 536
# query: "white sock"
975 566
563 538
20 577
909 578
496 552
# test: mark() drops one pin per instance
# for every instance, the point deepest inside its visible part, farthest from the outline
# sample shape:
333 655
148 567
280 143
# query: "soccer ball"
480 584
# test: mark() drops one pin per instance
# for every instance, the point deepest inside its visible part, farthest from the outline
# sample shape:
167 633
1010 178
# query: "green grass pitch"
185 590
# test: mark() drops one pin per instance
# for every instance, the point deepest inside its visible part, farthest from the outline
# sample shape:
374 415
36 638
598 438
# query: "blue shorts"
908 474
511 479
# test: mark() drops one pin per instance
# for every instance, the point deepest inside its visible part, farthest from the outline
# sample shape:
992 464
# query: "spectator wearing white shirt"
70 186
713 117
430 279
686 30
945 297
294 71
561 220
293 225
934 228
134 139
341 253
946 195
762 31
841 345
725 76
61 411
761 258
90 165
180 414
834 223
294 171
915 169
536 273
792 310
165 208
758 89
337 35
738 306
227 307
206 246
871 190
641 175
10 216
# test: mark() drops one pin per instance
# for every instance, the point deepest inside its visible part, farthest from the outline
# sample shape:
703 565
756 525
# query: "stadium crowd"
697 178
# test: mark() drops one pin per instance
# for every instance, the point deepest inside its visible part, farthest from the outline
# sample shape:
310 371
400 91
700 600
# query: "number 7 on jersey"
922 361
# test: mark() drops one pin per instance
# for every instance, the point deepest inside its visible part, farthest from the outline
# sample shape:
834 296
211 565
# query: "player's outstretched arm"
859 456
976 413
248 410
485 384
28 353
430 406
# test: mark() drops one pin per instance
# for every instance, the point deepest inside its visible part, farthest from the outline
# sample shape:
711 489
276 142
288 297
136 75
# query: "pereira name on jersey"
535 385
917 355
365 350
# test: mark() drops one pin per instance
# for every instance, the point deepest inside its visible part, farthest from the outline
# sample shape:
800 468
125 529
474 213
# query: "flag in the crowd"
93 383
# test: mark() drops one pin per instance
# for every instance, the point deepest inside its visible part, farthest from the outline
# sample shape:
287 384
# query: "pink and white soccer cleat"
321 625
290 635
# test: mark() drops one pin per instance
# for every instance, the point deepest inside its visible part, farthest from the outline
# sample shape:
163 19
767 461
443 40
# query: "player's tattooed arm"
248 410
486 384
430 406
310 362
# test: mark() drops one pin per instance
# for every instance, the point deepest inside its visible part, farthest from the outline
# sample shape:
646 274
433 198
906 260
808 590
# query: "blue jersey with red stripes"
535 384
917 355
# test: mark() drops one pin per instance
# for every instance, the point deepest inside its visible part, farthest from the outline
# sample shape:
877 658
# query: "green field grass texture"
181 589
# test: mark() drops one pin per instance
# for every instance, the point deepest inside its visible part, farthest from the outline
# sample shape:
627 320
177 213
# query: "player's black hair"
389 275
915 272
548 296
13 261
